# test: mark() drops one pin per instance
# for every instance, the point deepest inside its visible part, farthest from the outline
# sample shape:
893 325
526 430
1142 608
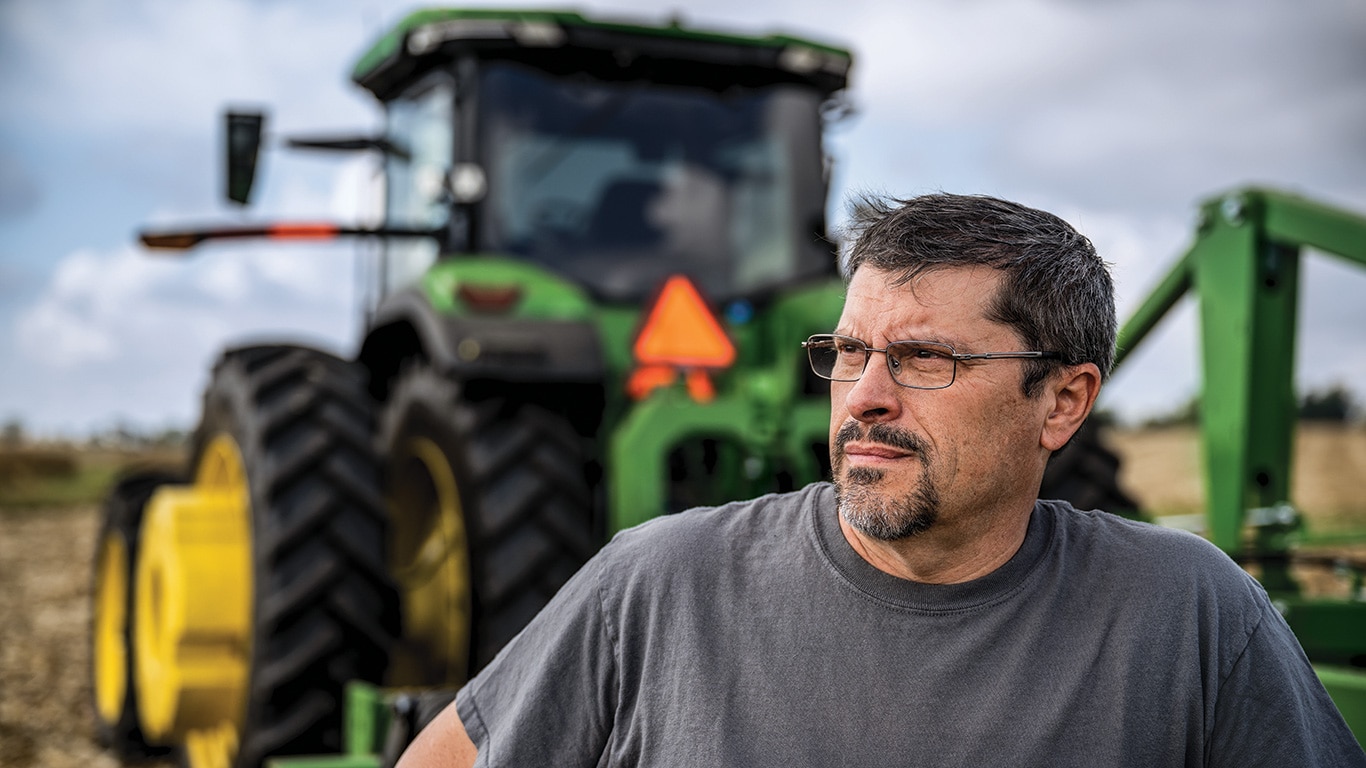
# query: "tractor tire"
113 693
323 607
1086 474
492 512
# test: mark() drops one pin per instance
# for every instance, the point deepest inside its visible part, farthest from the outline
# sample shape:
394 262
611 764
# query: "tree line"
1335 404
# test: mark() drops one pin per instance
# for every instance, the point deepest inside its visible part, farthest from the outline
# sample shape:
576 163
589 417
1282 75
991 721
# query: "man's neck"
942 556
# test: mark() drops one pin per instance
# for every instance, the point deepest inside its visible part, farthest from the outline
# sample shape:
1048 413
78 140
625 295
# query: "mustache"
878 433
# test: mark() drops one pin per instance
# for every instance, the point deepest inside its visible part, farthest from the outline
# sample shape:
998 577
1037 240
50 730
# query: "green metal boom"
1244 266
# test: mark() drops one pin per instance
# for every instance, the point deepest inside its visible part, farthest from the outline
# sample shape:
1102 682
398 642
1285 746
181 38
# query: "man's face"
907 460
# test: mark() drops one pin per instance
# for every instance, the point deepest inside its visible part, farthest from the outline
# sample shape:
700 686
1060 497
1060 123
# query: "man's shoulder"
708 537
1136 550
1156 574
1124 535
737 521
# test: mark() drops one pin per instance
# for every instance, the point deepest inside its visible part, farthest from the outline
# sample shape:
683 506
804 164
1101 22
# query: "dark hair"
1057 293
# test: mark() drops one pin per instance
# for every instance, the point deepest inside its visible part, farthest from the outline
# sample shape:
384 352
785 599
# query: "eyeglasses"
914 364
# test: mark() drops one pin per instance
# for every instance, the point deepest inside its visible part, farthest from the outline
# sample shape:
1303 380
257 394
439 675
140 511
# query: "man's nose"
875 396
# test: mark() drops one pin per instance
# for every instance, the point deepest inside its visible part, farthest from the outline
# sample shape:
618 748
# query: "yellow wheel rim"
192 629
111 625
431 564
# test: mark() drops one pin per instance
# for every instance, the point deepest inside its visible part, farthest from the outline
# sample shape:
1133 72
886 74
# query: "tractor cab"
611 155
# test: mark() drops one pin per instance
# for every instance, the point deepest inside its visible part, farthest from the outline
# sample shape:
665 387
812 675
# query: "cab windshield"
618 185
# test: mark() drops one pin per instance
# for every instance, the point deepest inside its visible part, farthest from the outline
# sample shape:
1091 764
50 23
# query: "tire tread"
302 419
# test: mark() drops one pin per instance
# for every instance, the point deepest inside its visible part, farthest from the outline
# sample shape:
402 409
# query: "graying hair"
1056 294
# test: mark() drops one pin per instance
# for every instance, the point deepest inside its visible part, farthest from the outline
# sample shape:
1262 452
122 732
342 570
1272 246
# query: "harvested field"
1163 469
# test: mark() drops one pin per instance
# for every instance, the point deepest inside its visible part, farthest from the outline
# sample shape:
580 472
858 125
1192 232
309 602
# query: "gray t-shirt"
753 635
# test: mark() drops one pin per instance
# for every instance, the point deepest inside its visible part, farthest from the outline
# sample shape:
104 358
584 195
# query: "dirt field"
44 610
45 574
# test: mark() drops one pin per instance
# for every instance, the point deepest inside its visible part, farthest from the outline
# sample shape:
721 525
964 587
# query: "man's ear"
1071 397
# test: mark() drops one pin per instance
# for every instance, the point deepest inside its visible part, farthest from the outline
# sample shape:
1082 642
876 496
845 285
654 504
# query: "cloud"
63 328
1131 105
146 65
123 337
125 305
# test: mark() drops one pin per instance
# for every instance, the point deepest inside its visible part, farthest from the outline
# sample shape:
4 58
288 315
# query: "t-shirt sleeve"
1273 711
549 697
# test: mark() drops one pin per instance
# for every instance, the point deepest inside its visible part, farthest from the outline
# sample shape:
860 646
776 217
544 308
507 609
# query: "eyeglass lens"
912 363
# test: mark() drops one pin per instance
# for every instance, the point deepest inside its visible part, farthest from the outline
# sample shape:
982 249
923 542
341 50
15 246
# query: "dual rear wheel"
230 612
253 594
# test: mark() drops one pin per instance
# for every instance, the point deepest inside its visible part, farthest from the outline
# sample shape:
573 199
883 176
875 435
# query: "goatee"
870 511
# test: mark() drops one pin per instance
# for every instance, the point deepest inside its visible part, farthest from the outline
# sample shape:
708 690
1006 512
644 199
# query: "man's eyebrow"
937 338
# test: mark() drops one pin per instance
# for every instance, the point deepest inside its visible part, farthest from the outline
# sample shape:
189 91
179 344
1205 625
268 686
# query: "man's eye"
921 356
917 352
845 348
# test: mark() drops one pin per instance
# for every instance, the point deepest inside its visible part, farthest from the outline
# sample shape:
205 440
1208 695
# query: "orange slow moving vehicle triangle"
681 331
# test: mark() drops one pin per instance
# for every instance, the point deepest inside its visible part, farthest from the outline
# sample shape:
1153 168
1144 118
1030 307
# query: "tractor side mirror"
243 136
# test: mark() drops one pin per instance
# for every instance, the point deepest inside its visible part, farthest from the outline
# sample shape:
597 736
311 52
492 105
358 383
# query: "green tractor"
601 247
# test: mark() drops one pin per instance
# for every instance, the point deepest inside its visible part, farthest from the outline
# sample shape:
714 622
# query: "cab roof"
426 37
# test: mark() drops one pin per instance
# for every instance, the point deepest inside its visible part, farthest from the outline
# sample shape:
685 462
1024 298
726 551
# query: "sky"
1118 115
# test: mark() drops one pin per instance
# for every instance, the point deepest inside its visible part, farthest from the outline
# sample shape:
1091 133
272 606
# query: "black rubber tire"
1086 474
121 517
324 608
524 494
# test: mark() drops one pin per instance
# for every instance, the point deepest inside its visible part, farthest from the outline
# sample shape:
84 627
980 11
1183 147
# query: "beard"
871 511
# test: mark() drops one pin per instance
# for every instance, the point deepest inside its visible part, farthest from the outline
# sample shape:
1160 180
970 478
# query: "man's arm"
548 698
442 744
1273 711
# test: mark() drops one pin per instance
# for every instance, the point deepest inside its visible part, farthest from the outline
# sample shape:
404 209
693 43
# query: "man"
925 609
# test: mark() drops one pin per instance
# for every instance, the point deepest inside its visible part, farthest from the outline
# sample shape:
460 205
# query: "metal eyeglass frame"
952 354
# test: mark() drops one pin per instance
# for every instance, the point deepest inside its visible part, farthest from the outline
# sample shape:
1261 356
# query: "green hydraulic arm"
1244 267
